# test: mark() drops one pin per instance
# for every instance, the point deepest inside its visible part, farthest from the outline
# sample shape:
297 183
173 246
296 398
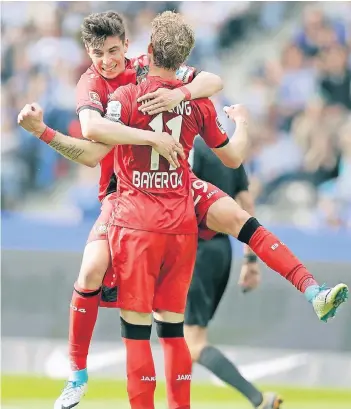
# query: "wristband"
186 92
250 258
48 135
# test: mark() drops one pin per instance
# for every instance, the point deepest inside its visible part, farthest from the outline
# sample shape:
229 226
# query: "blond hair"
172 40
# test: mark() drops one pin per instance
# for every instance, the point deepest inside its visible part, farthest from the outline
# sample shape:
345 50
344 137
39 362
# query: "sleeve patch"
220 126
114 110
95 98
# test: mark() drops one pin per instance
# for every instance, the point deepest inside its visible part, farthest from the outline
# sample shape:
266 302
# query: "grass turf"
19 392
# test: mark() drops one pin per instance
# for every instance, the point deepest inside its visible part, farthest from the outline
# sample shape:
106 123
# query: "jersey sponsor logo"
94 97
158 180
113 111
220 126
183 377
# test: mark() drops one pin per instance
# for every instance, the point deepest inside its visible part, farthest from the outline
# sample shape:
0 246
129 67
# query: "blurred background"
290 63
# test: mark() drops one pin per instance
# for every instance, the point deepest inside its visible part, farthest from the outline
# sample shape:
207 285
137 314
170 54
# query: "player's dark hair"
97 26
172 40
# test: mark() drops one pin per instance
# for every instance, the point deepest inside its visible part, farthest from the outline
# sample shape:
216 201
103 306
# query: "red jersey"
151 195
94 91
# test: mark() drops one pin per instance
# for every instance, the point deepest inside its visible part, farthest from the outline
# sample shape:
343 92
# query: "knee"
226 216
96 259
91 276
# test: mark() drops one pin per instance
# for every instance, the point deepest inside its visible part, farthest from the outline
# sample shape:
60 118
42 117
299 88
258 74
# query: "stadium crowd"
300 104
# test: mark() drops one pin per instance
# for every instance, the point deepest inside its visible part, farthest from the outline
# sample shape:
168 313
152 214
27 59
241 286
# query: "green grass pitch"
39 393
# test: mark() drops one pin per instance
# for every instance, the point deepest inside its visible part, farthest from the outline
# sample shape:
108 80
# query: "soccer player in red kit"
104 37
153 232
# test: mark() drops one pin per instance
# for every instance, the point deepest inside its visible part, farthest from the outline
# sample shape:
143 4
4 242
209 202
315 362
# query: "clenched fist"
237 113
31 119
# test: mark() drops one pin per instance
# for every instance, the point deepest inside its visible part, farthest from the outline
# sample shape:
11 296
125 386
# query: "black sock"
213 359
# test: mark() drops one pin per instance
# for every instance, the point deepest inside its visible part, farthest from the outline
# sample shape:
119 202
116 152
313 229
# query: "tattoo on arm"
69 151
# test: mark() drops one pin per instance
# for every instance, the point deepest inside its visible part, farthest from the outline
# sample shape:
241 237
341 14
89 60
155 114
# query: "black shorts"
210 279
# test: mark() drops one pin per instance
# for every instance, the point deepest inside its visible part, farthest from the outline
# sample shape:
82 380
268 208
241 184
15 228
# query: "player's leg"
210 278
138 256
226 216
217 212
84 308
169 304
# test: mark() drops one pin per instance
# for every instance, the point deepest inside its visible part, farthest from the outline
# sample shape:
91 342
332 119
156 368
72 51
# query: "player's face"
109 60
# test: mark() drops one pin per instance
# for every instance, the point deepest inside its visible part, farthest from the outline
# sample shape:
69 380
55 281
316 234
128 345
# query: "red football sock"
83 314
280 259
178 368
141 373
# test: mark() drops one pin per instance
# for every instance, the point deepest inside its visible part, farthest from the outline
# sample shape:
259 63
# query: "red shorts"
99 230
204 194
154 269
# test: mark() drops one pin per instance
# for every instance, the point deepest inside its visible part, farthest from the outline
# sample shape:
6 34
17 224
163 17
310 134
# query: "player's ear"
149 49
87 49
126 45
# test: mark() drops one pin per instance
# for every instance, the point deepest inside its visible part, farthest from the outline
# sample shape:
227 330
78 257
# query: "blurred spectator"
335 195
297 86
335 81
299 103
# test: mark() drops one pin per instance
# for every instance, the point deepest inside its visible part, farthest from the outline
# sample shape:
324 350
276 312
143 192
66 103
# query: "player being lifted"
222 215
210 278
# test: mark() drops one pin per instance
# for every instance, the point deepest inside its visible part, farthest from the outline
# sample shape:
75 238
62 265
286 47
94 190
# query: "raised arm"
235 151
87 152
81 151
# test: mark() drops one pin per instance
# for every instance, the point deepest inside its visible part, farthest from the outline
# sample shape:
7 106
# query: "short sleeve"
119 108
212 130
90 94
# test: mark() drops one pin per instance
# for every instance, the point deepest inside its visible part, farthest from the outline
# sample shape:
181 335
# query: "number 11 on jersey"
175 126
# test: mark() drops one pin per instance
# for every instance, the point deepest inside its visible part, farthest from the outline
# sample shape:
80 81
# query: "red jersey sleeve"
90 93
212 130
119 109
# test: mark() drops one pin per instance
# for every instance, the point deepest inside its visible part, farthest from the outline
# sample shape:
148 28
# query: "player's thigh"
136 259
99 230
209 280
96 256
175 277
226 216
204 194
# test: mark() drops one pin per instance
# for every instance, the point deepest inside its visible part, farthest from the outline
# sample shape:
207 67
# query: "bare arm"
204 85
78 150
87 152
234 153
100 129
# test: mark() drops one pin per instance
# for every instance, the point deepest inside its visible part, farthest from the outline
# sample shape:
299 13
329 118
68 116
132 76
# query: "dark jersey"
209 168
